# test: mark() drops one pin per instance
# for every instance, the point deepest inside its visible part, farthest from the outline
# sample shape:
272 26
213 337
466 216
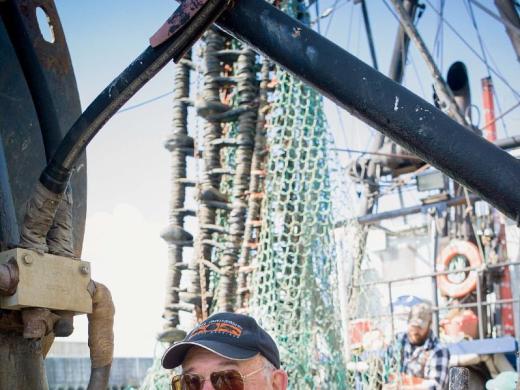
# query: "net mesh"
369 330
295 278
305 257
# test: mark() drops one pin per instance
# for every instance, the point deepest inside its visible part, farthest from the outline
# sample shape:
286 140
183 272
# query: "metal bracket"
48 281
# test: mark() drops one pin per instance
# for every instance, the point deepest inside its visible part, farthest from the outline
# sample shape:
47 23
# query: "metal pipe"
382 103
429 275
422 208
459 306
510 18
490 127
435 250
9 278
479 308
508 143
457 79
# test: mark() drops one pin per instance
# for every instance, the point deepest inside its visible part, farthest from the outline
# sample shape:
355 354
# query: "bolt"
83 269
27 259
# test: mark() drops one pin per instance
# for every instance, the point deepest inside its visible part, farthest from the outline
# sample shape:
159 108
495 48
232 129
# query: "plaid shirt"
428 361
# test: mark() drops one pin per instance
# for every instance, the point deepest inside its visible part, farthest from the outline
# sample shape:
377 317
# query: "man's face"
418 335
203 362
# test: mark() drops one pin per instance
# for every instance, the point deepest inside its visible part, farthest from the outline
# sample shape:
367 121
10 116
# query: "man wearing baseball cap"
227 351
422 356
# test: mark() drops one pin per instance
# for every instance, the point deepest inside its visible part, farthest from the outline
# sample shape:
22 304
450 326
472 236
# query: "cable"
416 72
350 27
363 152
438 45
342 125
469 8
500 77
335 7
317 5
129 108
495 16
503 115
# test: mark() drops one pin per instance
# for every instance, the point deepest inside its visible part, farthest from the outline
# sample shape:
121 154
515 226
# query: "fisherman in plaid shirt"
420 353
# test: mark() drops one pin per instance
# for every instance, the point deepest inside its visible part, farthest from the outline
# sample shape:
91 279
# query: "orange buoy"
458 254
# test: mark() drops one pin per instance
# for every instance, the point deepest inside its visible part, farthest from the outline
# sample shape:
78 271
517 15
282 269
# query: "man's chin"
417 341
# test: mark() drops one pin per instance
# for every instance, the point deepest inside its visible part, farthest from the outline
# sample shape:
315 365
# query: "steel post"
390 297
479 307
380 102
435 249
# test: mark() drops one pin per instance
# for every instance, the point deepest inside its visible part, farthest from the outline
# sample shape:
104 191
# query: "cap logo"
229 328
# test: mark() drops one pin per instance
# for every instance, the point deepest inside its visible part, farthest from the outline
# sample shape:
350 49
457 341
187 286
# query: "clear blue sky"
128 168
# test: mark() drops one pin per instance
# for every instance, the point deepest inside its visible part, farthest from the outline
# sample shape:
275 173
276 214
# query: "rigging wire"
358 42
416 72
368 31
317 7
469 8
495 16
363 152
350 24
438 45
129 108
509 110
330 14
342 126
496 73
340 119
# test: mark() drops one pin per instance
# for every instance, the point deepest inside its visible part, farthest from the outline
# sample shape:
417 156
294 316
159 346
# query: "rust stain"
180 18
52 55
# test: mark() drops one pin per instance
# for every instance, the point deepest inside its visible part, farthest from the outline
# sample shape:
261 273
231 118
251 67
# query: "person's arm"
437 368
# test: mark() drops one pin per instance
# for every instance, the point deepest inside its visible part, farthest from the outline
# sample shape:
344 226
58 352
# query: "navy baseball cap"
230 335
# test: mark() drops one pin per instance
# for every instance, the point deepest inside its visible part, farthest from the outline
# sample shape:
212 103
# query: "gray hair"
268 367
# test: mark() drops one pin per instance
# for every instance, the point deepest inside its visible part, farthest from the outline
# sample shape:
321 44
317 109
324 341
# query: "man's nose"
207 385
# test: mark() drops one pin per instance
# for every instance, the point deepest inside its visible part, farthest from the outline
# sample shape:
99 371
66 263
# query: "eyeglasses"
221 380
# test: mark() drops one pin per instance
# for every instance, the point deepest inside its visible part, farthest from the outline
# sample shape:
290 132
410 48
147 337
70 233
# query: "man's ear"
280 380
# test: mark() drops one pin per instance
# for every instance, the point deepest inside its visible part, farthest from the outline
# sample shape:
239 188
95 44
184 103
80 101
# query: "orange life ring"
458 251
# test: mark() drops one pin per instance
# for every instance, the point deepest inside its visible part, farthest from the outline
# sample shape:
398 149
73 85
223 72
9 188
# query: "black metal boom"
383 104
